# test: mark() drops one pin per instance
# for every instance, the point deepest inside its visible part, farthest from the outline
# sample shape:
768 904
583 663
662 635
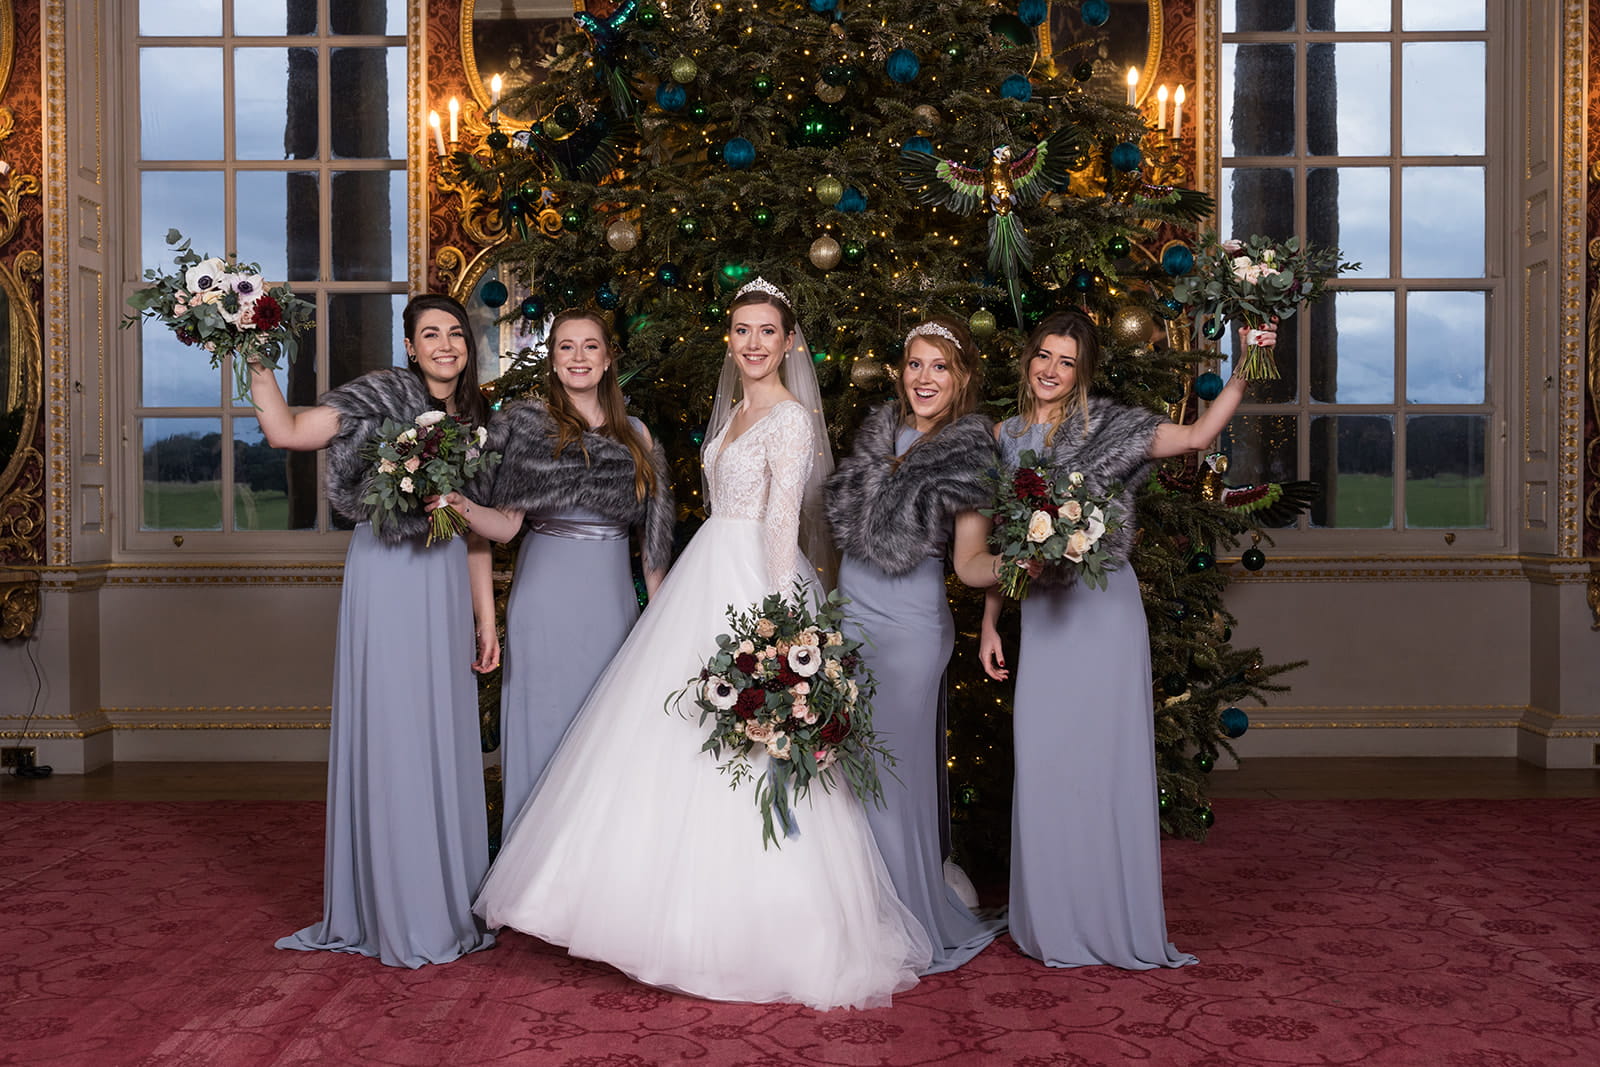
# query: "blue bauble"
1082 281
494 292
823 7
852 202
1033 12
670 96
903 65
1017 87
532 308
1171 307
1208 386
668 274
917 144
1126 157
1235 722
1095 12
738 153
606 296
1177 260
1212 328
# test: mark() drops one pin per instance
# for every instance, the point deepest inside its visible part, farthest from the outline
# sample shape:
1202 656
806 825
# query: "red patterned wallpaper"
1591 418
446 77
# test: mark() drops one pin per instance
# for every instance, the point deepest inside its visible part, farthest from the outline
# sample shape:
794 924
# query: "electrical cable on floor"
25 767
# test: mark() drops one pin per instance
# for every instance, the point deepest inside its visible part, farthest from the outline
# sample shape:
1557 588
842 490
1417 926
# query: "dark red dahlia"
750 702
836 729
1028 484
188 337
746 662
266 314
787 678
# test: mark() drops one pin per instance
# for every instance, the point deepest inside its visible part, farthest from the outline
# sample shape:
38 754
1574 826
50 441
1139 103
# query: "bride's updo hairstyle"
762 291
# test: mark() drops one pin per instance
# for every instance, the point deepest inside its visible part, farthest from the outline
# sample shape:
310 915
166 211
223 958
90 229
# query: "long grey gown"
572 604
1085 828
907 619
406 843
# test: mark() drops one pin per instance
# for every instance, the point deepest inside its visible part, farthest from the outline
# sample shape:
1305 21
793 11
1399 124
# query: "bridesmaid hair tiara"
763 286
925 329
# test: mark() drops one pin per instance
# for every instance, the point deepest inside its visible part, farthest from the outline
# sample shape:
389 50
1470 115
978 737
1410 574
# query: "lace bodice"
762 476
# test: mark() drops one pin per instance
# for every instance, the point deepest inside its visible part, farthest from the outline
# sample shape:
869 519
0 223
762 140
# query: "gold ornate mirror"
511 38
1131 37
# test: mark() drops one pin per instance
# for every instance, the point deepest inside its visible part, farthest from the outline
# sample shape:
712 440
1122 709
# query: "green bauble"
649 16
854 252
1083 71
699 112
572 218
1202 561
982 324
497 139
1119 247
761 86
1206 817
829 190
1165 802
732 275
1253 559
689 226
762 217
684 70
712 312
1205 761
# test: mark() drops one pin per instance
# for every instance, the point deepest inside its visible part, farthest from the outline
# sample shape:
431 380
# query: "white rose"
1097 527
852 689
386 466
483 435
428 418
765 628
1040 527
1077 545
778 746
1233 246
407 435
407 485
1075 479
720 693
759 732
804 660
1072 511
835 638
412 464
1241 267
205 275
747 646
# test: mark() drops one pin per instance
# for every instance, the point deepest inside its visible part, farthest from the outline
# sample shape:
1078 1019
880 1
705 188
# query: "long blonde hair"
571 426
1073 324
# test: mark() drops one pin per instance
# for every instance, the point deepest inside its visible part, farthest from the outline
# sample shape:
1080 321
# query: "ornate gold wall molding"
1574 204
58 356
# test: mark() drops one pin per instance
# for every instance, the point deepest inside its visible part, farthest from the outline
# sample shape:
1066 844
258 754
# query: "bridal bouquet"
223 306
1254 282
434 455
788 681
1060 523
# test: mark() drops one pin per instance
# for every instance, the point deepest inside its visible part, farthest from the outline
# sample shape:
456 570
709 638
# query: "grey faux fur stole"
362 405
530 478
1116 452
896 516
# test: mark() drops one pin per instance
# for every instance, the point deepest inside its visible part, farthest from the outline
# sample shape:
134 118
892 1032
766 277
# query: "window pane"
190 201
1445 351
275 102
1259 121
180 18
1256 200
1348 208
1253 15
1352 463
364 334
274 18
1349 114
1444 471
279 229
1352 348
369 238
182 474
372 17
1348 15
273 489
180 103
173 374
1442 15
369 85
1261 448
1442 221
1443 87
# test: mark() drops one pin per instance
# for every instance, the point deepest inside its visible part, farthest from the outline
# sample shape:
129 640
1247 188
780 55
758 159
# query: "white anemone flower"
804 660
720 693
205 275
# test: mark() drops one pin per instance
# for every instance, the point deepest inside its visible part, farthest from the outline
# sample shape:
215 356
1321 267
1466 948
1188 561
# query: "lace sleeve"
790 452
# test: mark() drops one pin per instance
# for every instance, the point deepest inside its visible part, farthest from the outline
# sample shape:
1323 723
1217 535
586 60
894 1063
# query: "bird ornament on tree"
1008 182
607 36
1268 504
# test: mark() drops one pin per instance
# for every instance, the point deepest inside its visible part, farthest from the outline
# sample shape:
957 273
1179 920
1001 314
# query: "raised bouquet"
223 306
431 456
1254 282
1057 521
789 683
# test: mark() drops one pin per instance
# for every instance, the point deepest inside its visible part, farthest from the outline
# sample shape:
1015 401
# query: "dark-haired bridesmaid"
905 499
578 472
406 843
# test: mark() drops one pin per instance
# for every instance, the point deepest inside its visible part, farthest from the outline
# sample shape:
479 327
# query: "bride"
633 848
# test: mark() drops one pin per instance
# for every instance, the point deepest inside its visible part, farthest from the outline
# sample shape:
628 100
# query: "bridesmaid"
1085 834
921 467
406 842
577 471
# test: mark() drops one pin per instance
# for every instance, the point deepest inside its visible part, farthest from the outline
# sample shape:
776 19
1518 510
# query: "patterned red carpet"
1384 933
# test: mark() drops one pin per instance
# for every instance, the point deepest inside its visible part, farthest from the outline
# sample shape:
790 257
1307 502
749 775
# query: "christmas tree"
879 160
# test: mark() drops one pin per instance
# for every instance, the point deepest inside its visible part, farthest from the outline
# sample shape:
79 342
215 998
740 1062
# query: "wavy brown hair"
1072 323
571 426
966 369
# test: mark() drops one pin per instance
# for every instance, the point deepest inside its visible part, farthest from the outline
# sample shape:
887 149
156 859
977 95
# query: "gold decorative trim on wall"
59 355
1574 121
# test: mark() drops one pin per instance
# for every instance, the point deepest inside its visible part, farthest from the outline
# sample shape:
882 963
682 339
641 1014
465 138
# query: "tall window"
1363 123
277 132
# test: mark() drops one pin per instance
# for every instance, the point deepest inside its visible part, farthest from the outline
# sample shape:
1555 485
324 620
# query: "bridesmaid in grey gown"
1085 838
577 472
920 468
406 844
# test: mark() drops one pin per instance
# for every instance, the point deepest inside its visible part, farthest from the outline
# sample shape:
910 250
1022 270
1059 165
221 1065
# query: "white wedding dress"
633 849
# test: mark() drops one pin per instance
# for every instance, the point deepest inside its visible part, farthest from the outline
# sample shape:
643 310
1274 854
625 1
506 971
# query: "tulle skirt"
636 850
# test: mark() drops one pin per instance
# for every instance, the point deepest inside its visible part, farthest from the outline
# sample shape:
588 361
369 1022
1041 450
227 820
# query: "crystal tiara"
925 329
764 286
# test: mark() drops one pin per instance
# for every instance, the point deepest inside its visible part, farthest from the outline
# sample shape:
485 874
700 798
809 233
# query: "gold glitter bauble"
829 190
982 324
621 235
829 94
825 253
865 372
1133 325
927 116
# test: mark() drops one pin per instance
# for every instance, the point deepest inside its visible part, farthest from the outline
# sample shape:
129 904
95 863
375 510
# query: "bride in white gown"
633 848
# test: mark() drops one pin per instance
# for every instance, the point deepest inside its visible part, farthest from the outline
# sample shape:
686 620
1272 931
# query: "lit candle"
1161 108
1133 84
494 91
1177 114
455 111
438 134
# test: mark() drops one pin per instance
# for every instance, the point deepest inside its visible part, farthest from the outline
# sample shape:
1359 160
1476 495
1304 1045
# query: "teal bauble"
1234 722
493 293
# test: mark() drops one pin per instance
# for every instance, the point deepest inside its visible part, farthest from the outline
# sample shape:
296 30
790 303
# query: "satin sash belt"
576 530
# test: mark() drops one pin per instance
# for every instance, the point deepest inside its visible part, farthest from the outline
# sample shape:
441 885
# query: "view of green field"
198 506
1366 501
